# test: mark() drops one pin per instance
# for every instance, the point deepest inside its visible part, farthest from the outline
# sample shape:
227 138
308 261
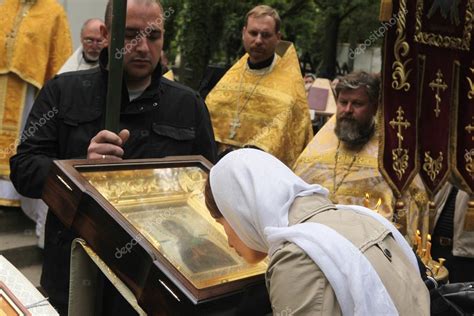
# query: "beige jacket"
463 241
298 287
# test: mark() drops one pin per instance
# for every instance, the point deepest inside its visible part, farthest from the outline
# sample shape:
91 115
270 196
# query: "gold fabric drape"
35 41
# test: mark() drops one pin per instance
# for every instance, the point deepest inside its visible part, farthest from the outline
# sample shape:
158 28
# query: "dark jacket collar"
263 64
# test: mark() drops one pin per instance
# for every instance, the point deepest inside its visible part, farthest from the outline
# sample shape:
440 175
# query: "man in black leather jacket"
158 118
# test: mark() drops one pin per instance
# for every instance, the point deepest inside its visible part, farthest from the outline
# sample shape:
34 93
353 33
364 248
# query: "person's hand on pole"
107 145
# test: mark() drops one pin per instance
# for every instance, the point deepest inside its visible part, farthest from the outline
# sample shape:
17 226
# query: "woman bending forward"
325 259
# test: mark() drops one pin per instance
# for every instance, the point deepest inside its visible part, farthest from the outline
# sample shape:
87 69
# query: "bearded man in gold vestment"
35 41
261 101
343 156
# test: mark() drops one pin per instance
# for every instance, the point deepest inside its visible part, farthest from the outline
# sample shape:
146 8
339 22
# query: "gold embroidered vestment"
270 108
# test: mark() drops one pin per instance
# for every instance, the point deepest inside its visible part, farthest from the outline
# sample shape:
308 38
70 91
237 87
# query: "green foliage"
366 20
173 26
209 32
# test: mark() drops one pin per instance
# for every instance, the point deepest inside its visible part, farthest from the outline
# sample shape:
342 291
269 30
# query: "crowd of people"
255 125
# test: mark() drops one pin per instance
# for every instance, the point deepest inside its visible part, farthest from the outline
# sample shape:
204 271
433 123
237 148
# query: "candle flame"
366 200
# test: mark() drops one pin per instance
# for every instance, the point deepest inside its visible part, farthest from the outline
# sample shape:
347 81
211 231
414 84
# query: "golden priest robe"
35 41
265 108
357 174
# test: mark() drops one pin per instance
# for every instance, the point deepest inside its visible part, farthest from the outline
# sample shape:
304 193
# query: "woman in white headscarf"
325 259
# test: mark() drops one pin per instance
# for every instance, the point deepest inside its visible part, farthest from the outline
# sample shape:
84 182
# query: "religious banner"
442 34
463 137
398 149
428 74
463 126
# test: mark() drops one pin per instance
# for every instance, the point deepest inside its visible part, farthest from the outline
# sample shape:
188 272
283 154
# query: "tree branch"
296 8
349 11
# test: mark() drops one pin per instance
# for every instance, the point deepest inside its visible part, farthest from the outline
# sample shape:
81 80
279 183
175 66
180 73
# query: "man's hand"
107 145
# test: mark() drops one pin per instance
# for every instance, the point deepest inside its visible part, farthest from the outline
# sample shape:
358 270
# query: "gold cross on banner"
470 129
399 123
438 84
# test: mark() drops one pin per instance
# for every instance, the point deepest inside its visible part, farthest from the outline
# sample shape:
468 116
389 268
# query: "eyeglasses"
90 41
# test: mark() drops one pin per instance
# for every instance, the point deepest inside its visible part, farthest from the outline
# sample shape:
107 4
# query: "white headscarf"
254 192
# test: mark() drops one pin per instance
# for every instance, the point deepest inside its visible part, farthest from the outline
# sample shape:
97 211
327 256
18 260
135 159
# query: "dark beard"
353 133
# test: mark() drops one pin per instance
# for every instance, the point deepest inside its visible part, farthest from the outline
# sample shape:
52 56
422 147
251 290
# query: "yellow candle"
418 241
366 200
428 248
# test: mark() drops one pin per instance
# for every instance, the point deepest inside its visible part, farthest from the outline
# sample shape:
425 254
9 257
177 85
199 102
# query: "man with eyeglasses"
87 55
261 101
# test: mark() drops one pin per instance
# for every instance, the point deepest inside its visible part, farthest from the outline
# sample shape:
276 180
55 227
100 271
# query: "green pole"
116 54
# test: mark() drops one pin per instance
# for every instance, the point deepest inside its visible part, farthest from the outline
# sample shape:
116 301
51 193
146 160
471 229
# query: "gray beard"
352 133
88 59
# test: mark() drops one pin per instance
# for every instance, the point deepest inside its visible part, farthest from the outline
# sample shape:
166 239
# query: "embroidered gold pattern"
437 85
400 161
401 49
470 128
433 166
469 162
400 155
11 36
437 40
235 123
337 185
131 186
470 94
